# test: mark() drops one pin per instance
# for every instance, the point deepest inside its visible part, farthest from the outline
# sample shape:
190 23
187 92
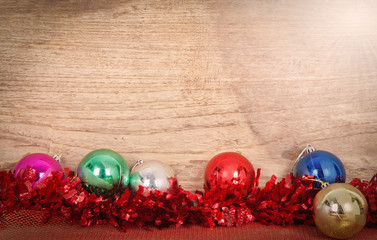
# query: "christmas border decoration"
225 201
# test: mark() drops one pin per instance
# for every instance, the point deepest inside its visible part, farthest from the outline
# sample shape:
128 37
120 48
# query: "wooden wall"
180 81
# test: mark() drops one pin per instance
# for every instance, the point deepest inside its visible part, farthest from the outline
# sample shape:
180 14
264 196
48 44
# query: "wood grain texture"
180 81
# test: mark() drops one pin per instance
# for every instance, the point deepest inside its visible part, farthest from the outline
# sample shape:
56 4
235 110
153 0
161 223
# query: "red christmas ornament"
229 168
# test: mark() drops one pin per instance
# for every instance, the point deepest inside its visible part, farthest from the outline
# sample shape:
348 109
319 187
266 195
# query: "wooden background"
180 81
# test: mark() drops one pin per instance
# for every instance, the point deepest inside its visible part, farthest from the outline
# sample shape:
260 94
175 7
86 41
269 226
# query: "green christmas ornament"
104 172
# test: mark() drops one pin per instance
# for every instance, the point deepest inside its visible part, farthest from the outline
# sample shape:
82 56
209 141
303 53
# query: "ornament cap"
57 157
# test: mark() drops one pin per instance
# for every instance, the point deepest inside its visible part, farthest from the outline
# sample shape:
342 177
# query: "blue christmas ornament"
324 166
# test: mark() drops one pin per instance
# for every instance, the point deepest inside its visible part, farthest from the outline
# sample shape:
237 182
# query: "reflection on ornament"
103 171
153 175
323 165
42 163
229 168
340 210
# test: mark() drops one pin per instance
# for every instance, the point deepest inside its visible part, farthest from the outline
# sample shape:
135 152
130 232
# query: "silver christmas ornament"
153 175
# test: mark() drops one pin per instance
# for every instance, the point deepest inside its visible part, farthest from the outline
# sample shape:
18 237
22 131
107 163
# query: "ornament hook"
308 149
57 157
137 163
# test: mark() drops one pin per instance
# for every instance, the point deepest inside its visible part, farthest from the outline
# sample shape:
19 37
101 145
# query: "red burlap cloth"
28 225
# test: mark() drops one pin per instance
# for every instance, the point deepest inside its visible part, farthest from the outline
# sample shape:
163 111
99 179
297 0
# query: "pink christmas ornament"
42 163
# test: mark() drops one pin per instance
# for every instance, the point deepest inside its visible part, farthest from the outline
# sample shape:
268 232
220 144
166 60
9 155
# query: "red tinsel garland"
286 202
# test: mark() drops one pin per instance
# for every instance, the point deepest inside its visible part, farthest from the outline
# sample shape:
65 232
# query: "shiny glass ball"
340 210
152 175
103 171
42 163
323 165
229 168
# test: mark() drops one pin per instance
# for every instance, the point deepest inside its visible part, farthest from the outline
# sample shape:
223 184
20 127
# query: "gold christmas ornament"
340 210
